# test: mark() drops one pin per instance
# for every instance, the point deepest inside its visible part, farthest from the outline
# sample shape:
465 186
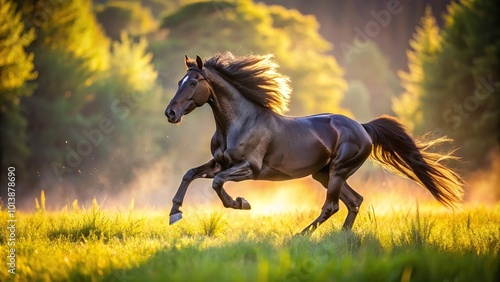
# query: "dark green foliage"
16 68
85 92
461 88
120 16
114 20
70 53
198 11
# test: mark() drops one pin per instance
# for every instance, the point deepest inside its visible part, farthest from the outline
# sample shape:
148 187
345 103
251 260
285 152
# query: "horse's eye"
194 82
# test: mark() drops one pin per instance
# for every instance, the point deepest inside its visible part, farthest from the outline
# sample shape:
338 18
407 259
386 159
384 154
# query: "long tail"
394 148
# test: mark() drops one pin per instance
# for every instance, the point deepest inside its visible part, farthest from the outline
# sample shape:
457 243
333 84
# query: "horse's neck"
228 105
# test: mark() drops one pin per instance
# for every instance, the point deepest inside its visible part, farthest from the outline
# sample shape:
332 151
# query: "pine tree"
461 87
424 47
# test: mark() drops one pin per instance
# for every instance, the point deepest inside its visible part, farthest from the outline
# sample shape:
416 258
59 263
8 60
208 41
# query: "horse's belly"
294 165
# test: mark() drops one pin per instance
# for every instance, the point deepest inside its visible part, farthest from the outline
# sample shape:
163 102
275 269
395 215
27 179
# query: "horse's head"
194 91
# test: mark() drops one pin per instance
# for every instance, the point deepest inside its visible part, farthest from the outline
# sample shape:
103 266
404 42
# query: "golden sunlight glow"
383 193
485 184
267 198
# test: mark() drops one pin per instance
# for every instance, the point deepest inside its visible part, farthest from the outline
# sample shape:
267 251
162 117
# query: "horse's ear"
186 61
199 62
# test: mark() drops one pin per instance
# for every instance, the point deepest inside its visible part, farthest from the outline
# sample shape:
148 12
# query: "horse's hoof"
175 217
244 205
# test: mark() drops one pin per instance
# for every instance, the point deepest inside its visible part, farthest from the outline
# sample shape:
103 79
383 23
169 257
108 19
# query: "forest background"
84 85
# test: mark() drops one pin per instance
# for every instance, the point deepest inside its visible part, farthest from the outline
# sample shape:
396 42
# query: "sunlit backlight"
268 198
383 193
485 184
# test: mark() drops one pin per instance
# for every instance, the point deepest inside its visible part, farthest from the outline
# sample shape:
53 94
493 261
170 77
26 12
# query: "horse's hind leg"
331 206
352 200
348 158
348 196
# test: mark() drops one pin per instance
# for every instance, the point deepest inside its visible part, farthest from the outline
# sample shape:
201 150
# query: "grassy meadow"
214 244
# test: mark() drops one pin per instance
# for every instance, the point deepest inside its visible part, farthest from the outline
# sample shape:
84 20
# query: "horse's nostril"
170 113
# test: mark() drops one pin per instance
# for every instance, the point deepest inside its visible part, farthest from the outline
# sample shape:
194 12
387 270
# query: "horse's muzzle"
172 116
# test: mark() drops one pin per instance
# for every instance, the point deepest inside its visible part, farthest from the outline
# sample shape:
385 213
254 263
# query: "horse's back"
341 126
304 145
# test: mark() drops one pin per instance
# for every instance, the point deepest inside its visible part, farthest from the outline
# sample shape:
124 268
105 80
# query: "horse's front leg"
208 170
238 172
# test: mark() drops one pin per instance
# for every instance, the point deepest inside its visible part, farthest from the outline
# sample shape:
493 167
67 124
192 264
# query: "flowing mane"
256 78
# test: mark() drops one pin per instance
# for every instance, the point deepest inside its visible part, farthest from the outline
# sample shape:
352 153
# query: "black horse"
254 140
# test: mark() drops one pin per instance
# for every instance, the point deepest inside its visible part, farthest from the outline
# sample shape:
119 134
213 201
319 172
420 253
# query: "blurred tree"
244 27
86 90
131 64
369 66
157 7
461 89
126 96
317 79
129 16
389 24
161 8
425 45
357 100
71 52
16 68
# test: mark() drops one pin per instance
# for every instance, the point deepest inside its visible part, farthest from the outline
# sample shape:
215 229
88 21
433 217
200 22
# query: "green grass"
93 244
